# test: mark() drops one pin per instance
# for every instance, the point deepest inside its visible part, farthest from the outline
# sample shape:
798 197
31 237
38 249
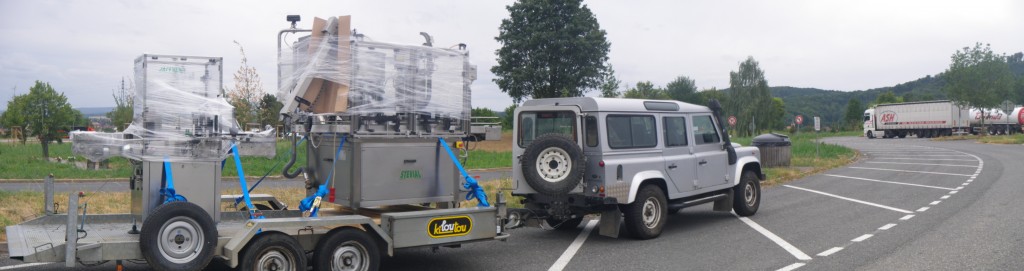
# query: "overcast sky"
83 48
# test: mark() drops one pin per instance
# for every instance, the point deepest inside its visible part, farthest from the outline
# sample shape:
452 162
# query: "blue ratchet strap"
241 182
307 204
240 199
475 191
168 190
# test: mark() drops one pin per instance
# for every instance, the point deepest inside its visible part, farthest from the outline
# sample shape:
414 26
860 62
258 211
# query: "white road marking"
925 164
885 158
911 171
959 187
21 266
800 255
887 226
926 155
906 217
853 200
935 202
575 246
791 267
953 192
965 183
944 197
922 209
862 238
891 182
830 251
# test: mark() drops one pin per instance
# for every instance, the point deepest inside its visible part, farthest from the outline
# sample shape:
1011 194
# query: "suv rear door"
680 163
712 159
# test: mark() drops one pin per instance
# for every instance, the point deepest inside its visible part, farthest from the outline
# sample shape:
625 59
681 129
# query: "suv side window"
675 131
590 131
631 131
704 131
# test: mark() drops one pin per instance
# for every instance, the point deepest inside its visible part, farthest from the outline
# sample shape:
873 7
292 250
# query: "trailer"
997 121
376 119
923 119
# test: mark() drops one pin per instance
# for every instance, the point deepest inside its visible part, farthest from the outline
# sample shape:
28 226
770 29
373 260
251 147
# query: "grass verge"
807 158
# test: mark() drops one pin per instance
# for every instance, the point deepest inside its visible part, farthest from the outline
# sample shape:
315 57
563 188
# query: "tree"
887 98
246 93
683 89
47 112
854 113
778 111
610 85
15 114
124 101
482 112
750 101
550 49
510 115
646 90
978 78
709 94
269 110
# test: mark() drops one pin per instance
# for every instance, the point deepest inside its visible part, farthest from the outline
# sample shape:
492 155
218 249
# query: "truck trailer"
997 121
923 119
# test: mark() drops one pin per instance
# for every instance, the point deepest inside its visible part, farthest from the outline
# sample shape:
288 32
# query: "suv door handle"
673 166
703 162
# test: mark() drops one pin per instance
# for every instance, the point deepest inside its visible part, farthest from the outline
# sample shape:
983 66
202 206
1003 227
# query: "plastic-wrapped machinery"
180 115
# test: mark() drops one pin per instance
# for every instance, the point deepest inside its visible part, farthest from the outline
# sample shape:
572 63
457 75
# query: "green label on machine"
410 174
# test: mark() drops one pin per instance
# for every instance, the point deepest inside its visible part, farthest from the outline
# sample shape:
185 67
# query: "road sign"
732 120
817 124
1007 106
799 119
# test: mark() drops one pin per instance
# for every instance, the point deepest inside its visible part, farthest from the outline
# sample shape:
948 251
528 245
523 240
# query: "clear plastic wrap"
374 78
180 115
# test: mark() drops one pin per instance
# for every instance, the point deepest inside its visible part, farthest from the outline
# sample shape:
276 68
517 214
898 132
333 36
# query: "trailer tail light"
601 163
330 196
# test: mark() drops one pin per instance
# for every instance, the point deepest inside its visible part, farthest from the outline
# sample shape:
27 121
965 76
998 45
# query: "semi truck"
998 121
924 119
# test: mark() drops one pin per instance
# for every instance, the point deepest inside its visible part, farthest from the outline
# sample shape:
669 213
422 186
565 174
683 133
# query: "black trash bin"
775 149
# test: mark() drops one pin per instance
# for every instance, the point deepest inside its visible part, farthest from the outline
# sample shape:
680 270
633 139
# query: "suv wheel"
645 217
747 195
553 164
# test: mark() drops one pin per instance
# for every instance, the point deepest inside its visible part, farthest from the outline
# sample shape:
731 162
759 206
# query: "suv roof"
621 104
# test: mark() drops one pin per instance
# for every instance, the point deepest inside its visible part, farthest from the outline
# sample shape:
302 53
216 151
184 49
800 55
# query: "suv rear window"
626 131
536 124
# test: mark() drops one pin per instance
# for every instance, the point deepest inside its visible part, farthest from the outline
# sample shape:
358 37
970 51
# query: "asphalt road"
907 204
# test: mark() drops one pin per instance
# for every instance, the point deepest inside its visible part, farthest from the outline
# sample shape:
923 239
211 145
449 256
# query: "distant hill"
95 111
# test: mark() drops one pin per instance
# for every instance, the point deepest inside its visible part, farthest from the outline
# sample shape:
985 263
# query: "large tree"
124 105
888 97
269 110
610 84
15 114
978 78
854 113
683 89
46 112
550 48
750 101
646 90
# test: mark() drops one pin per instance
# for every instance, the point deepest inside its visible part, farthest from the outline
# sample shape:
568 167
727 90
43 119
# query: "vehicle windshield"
536 124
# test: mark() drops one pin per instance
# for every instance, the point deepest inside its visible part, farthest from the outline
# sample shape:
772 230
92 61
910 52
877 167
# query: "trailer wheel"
645 217
747 195
272 251
347 249
178 236
553 164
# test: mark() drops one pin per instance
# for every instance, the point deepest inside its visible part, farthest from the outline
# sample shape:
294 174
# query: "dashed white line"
575 246
923 164
21 266
944 197
959 187
853 200
791 267
911 171
922 209
862 238
890 158
953 192
800 255
830 251
935 202
887 226
889 182
906 217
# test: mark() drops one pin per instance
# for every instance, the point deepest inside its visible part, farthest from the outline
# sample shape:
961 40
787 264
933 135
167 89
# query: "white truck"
997 120
924 119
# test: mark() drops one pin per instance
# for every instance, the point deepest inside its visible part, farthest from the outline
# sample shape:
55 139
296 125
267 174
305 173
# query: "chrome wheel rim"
350 255
554 164
275 260
651 212
749 194
180 240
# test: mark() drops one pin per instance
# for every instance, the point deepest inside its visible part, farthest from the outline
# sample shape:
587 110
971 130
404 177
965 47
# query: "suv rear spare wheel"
553 164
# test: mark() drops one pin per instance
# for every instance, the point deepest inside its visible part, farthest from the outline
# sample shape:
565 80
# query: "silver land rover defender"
631 159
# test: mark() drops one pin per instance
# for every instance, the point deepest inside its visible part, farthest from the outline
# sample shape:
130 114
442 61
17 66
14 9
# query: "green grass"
804 160
489 159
